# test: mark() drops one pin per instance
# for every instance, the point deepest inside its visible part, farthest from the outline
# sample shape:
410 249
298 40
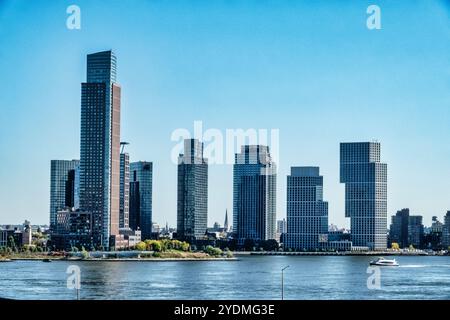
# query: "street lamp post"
282 282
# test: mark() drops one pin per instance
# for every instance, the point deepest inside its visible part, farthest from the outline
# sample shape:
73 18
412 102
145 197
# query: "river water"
252 277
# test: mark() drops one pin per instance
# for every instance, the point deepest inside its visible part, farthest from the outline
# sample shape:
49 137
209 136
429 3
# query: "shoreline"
122 259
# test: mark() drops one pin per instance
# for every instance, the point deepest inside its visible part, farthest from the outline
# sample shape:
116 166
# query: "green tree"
141 246
213 251
395 246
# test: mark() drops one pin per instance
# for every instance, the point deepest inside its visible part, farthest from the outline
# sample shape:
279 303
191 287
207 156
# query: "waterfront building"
73 229
307 213
100 147
254 194
192 199
398 231
124 197
63 186
141 197
365 179
415 231
281 226
446 231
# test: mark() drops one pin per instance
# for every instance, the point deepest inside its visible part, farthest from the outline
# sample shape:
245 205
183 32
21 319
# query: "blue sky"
311 69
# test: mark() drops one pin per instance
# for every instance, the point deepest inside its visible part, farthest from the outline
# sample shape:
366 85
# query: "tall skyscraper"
140 212
307 213
365 179
192 202
61 178
446 231
398 231
124 208
254 194
100 146
415 231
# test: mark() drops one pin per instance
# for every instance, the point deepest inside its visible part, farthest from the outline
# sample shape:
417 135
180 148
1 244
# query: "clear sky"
311 69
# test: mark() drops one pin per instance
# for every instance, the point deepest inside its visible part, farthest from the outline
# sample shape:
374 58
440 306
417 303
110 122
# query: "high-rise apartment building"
124 207
254 194
140 204
100 147
365 179
192 200
446 231
63 186
307 213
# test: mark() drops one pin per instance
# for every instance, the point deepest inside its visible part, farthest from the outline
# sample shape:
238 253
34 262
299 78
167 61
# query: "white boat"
384 262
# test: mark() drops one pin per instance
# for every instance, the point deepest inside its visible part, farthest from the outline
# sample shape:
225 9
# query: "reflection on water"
252 277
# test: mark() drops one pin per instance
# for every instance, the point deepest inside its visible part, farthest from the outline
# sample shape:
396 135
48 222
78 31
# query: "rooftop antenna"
123 144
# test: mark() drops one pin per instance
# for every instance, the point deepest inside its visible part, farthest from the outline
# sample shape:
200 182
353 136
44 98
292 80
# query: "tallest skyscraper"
100 147
365 179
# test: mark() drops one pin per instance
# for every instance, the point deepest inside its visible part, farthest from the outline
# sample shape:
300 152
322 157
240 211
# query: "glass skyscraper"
63 182
192 200
307 213
254 194
140 212
100 147
365 179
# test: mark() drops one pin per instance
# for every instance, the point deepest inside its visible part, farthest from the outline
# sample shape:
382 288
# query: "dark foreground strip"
217 309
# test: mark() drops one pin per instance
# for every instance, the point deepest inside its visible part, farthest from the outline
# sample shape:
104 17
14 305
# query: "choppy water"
254 277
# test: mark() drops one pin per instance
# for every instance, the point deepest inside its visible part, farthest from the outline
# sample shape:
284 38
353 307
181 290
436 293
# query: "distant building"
365 179
225 224
192 199
27 234
307 213
398 231
132 237
63 187
254 194
16 236
281 226
436 225
446 231
155 228
124 205
141 194
415 231
73 229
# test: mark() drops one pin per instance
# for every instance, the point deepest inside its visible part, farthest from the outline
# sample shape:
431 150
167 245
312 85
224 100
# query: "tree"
84 253
270 245
249 244
213 251
141 246
395 246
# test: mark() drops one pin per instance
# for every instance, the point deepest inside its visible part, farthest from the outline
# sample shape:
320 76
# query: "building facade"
100 147
398 231
254 194
365 179
192 196
124 207
62 186
446 231
141 193
307 213
415 231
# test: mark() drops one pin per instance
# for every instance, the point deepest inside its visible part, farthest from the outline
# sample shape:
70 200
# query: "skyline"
202 87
